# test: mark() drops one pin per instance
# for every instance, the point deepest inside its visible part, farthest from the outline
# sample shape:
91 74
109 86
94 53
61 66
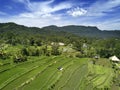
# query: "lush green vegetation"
42 73
49 59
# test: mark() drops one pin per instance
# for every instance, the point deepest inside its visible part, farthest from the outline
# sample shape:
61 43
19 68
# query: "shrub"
19 58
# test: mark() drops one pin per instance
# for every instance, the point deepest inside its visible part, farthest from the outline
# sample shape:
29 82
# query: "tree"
78 45
38 43
44 50
32 41
19 58
24 51
55 49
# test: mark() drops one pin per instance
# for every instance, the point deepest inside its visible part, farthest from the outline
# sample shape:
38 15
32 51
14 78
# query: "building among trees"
114 59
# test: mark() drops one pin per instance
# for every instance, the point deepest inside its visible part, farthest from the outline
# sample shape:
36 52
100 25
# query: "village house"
114 59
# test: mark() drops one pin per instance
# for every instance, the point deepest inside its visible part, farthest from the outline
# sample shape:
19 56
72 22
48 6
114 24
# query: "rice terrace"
40 62
42 73
59 44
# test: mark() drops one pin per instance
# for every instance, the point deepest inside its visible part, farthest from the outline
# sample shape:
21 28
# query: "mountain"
16 33
87 31
13 27
82 31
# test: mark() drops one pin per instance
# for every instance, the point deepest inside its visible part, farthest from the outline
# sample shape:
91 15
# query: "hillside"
87 31
82 31
11 30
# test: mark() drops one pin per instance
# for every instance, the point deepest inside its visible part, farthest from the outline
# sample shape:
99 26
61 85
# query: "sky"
105 14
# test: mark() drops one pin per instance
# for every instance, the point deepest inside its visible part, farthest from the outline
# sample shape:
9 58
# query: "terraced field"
42 73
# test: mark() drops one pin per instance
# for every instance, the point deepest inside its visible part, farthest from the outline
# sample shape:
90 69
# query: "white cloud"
38 22
43 9
44 6
40 14
112 24
47 15
101 7
75 12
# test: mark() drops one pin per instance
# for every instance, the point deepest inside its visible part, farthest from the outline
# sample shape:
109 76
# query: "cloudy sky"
105 14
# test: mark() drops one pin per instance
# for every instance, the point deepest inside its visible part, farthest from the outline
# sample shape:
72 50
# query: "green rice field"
44 73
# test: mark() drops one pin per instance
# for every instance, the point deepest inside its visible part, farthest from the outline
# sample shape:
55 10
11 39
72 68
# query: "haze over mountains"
87 31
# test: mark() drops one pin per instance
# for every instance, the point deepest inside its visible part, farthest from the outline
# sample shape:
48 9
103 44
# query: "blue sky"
105 14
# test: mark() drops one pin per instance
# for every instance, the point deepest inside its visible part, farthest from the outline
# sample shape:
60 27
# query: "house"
61 44
114 59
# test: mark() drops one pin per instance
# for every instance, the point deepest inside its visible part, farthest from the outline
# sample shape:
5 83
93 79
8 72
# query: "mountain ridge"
79 30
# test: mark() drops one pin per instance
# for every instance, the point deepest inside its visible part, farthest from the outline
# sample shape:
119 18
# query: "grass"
41 73
65 76
100 76
69 75
76 78
39 82
57 75
17 71
29 75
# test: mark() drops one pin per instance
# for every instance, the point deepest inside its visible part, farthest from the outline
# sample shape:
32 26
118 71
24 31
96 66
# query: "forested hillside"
87 31
82 31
